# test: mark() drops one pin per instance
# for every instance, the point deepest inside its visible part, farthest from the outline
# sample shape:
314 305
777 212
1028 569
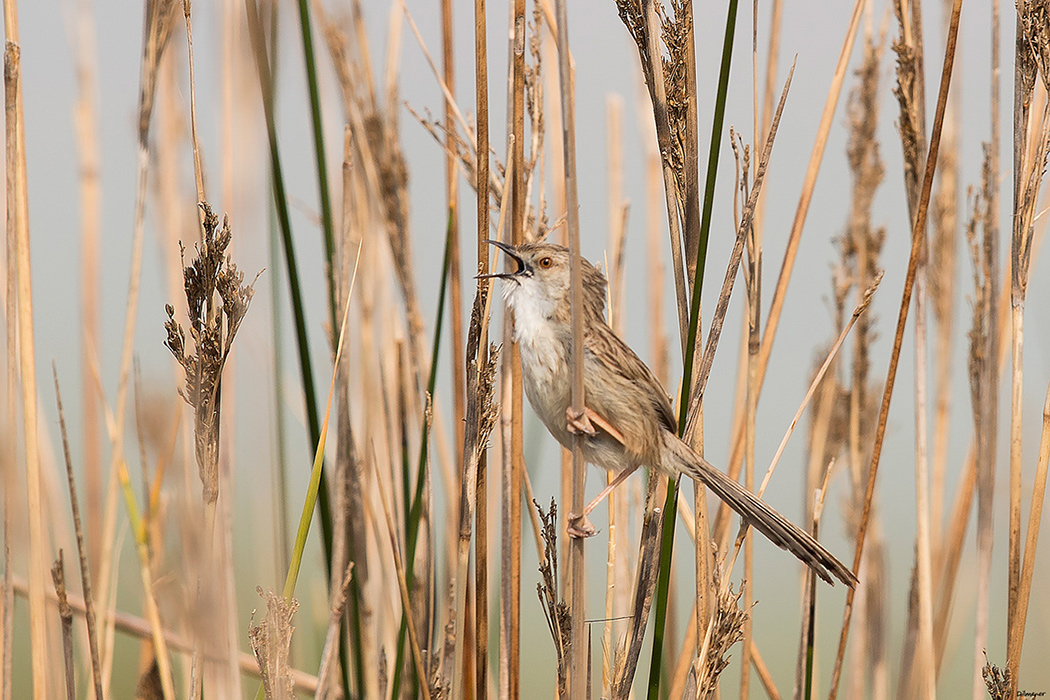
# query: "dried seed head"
271 641
212 330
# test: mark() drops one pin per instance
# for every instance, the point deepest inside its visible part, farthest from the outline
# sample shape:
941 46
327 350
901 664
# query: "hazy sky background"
606 64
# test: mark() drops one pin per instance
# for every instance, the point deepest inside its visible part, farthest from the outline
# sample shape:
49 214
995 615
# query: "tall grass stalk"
82 555
280 197
18 244
918 240
910 92
510 561
88 155
320 159
1031 148
579 663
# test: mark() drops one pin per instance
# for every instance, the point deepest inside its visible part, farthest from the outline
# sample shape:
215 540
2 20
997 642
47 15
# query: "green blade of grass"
671 505
316 482
320 160
284 220
280 198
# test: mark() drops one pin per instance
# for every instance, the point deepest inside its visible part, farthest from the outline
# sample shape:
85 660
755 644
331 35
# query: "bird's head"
542 276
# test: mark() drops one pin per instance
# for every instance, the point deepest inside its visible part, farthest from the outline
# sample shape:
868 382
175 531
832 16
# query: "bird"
627 421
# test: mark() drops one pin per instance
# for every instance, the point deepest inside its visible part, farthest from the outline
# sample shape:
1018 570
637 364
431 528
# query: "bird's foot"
579 422
580 527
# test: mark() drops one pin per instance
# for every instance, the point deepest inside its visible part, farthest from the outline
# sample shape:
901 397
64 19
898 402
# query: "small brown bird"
628 420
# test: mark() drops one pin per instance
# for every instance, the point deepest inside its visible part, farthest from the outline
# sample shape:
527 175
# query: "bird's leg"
579 525
579 423
584 423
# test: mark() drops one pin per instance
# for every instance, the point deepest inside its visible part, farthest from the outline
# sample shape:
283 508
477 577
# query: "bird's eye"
545 262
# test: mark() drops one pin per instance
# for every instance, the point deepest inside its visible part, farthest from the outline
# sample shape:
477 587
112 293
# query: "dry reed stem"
643 23
1035 514
82 552
578 665
477 363
682 670
718 318
644 587
198 172
988 419
910 93
459 380
481 416
951 551
753 286
10 454
807 634
160 648
941 273
406 600
661 109
159 21
331 640
511 555
1032 42
768 95
984 374
685 53
923 558
7 610
85 119
911 121
481 579
918 239
65 613
860 247
615 273
18 232
349 466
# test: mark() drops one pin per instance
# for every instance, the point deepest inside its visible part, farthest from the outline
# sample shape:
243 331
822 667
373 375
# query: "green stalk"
319 153
415 513
670 507
329 247
280 197
281 458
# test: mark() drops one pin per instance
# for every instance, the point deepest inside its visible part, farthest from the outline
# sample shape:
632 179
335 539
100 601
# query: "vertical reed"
19 256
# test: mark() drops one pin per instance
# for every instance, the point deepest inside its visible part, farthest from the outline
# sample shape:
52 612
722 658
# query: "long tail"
778 529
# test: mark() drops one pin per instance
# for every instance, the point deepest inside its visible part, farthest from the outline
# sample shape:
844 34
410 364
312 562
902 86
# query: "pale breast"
544 358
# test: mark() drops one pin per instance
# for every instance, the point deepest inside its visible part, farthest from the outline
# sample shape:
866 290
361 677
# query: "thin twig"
58 576
577 666
85 573
918 238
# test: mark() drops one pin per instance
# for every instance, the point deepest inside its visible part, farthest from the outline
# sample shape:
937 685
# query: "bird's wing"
607 348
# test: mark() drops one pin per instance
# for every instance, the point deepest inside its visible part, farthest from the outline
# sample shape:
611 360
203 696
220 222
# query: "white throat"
534 329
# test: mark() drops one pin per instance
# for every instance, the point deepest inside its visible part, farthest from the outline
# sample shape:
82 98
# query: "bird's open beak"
512 253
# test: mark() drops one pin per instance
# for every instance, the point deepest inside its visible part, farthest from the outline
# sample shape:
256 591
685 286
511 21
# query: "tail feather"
778 529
